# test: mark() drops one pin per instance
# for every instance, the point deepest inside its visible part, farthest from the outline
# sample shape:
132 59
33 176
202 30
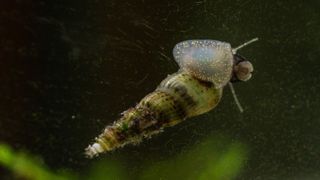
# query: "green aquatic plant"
25 166
216 158
107 170
212 159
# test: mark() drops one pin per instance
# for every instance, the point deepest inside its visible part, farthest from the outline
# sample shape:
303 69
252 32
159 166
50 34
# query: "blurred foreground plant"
25 166
215 158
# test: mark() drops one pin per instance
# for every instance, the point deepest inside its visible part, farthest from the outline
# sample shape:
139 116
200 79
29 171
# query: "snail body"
195 89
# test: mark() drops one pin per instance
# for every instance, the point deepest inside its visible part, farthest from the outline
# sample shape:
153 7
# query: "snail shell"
178 97
206 66
208 60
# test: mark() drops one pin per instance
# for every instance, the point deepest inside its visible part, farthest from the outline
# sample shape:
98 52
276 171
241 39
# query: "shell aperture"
208 60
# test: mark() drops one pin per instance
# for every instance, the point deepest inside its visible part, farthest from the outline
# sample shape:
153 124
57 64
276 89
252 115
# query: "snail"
206 66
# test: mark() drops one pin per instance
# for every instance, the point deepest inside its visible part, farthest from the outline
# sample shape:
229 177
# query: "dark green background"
68 68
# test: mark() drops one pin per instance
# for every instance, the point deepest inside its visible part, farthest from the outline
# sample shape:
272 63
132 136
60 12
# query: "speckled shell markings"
208 60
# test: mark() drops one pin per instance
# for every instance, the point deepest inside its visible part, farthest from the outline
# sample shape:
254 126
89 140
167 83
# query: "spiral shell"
205 67
208 60
178 97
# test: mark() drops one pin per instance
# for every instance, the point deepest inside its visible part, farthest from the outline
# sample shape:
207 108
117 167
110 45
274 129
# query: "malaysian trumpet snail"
206 66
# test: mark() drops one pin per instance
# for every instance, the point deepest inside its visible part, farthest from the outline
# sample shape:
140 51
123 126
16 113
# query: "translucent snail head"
208 60
213 61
